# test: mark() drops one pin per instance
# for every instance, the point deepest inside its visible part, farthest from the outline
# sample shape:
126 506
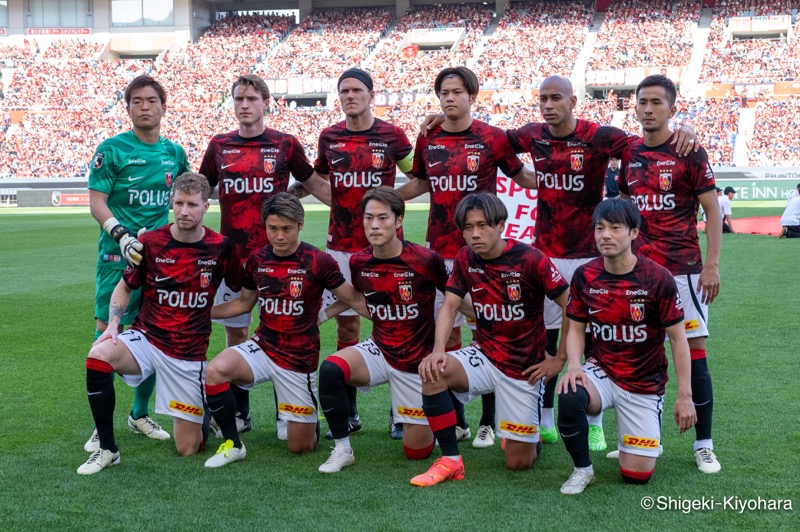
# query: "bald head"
557 103
560 83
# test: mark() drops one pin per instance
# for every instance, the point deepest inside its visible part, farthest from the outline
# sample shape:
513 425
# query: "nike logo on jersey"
224 166
431 165
367 294
537 159
334 161
632 182
162 279
477 289
135 178
260 288
592 311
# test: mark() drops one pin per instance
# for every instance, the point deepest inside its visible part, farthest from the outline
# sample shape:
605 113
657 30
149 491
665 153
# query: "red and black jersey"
401 294
179 281
289 299
456 165
357 161
248 171
628 316
570 174
665 188
508 297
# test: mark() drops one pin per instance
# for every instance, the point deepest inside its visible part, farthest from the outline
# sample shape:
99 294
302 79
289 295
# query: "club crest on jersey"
377 159
473 161
98 160
576 161
205 279
168 178
637 311
269 165
295 288
405 292
514 291
665 181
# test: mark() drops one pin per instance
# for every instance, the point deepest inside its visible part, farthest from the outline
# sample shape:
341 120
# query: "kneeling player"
507 281
183 265
629 303
399 280
286 278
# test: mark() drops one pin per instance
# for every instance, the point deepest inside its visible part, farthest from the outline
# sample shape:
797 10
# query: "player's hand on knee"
572 378
432 366
548 369
131 250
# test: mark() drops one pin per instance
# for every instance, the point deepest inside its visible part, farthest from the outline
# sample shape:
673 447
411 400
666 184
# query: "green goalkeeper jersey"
138 179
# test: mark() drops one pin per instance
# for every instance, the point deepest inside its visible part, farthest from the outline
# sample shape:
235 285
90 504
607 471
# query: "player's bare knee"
214 376
187 446
302 446
348 329
519 463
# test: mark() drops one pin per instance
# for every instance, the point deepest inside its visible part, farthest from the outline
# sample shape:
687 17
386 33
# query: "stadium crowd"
653 33
550 33
65 89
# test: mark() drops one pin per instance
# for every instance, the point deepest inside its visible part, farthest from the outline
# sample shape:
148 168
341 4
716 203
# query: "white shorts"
342 258
638 415
179 386
518 404
695 312
405 387
552 312
448 264
296 392
226 294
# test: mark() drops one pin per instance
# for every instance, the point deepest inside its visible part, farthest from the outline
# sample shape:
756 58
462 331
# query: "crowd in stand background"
72 100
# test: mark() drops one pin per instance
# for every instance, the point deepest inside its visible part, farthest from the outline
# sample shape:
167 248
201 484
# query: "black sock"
102 401
222 405
439 410
242 398
703 397
333 399
458 406
487 411
573 425
352 394
550 386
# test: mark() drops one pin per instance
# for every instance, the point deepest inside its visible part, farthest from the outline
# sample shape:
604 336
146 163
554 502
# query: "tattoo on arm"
116 310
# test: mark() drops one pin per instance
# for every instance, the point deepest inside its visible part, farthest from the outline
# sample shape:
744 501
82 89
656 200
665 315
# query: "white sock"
589 469
595 420
699 444
547 421
344 443
455 458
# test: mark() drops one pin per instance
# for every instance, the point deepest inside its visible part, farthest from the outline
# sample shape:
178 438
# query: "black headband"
357 73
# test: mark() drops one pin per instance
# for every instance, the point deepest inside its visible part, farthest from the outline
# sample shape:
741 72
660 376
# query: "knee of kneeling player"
636 477
330 371
572 406
519 463
418 454
187 447
302 446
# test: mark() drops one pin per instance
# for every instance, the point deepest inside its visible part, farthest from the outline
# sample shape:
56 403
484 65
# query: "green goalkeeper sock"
141 397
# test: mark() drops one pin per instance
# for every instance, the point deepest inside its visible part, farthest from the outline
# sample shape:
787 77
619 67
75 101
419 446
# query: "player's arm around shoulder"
352 297
235 307
685 414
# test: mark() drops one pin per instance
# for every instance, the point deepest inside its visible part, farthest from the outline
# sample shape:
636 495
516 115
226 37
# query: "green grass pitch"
47 264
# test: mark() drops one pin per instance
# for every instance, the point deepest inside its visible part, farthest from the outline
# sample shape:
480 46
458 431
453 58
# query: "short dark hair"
617 211
490 205
192 183
252 80
657 80
284 205
388 196
466 76
144 81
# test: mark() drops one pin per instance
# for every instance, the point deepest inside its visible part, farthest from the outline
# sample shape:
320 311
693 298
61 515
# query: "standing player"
399 280
249 165
182 266
629 303
507 281
455 160
355 155
667 188
286 278
129 186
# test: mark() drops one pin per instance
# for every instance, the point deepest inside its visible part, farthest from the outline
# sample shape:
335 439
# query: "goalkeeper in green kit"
130 181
